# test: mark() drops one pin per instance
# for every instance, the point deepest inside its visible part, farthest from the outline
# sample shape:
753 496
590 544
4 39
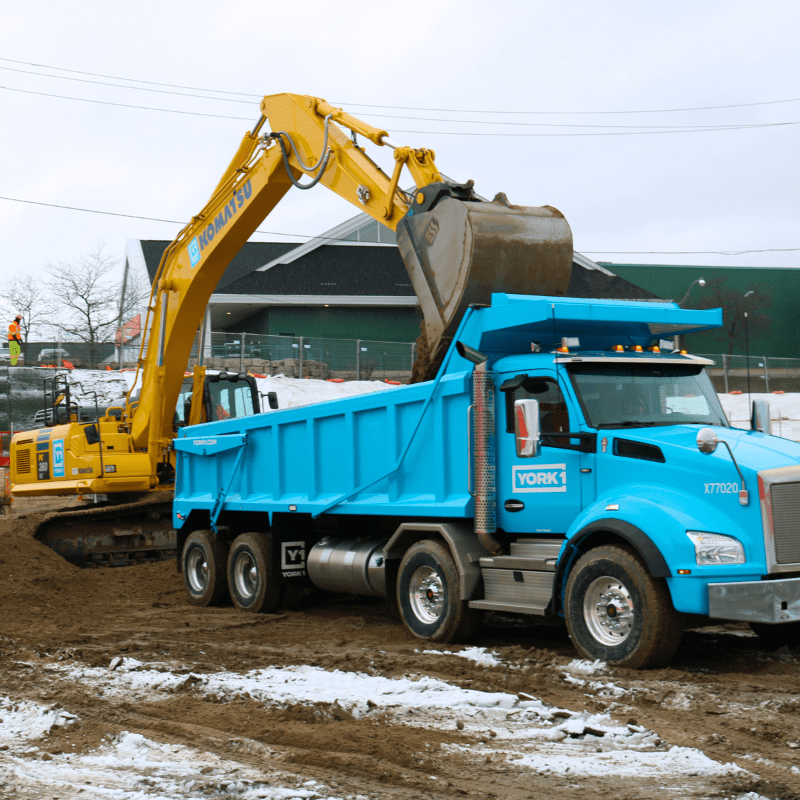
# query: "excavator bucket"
458 250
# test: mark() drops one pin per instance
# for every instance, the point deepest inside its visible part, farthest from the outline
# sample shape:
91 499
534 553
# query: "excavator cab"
225 395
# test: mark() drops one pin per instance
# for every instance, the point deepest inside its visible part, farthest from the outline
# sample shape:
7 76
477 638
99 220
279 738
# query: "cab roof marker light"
637 348
654 349
618 348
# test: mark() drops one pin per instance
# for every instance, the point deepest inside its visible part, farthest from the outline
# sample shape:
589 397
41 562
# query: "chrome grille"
785 500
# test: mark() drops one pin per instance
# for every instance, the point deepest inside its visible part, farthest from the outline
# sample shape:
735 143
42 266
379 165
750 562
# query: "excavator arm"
306 139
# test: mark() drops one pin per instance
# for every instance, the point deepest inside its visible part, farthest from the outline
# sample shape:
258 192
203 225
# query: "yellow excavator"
457 248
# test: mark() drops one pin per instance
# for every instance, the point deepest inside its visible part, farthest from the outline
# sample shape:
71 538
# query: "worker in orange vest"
14 340
14 330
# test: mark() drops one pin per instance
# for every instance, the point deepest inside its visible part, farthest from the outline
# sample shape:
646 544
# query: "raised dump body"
565 464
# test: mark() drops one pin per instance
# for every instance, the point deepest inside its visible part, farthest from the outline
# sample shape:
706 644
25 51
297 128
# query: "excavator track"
114 535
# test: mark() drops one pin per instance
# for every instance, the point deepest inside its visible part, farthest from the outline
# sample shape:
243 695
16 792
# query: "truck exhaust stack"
482 459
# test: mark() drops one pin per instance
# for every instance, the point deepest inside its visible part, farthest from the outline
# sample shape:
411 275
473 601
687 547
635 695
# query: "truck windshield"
628 395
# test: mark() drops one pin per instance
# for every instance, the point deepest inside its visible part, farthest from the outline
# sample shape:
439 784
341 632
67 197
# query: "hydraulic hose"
321 164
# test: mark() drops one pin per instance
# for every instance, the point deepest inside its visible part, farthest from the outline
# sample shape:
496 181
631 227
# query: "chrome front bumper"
755 601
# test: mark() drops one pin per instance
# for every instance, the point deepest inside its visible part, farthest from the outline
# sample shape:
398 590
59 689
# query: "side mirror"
707 440
272 399
760 419
526 428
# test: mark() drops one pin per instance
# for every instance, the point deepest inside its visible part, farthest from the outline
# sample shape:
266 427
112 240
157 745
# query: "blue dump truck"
564 464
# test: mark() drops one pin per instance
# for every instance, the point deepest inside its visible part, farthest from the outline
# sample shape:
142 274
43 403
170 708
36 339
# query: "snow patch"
22 721
527 732
480 655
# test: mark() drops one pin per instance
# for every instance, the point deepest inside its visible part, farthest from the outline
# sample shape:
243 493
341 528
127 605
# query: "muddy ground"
724 695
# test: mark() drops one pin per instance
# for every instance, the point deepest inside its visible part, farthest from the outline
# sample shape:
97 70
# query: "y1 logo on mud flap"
540 478
293 559
58 458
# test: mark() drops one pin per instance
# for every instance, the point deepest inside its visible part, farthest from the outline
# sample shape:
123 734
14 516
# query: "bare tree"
26 296
734 304
88 297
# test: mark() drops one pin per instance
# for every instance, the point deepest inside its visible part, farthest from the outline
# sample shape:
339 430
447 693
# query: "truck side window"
552 407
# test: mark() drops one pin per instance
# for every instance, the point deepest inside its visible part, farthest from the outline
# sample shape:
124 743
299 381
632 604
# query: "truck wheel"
254 585
618 613
429 597
771 637
204 576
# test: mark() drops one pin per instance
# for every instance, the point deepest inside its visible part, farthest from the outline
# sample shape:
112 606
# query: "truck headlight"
714 548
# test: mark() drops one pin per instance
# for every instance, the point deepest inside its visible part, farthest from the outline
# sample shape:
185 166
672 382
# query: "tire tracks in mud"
723 694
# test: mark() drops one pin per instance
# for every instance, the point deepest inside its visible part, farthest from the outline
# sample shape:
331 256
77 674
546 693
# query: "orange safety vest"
13 331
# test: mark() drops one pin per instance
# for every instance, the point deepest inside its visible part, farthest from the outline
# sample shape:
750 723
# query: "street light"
747 346
700 281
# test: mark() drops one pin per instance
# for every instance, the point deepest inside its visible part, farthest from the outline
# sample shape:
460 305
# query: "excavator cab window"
231 398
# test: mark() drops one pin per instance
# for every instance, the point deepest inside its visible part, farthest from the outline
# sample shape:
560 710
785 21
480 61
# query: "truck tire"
255 585
429 597
203 561
617 612
771 637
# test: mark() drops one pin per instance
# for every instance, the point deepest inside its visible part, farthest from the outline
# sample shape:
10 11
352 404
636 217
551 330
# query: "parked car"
50 355
234 350
47 416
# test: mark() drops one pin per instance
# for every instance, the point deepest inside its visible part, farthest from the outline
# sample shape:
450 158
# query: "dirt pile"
42 594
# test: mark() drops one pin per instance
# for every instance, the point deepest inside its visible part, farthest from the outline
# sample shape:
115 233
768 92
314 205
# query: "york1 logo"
293 559
202 240
540 478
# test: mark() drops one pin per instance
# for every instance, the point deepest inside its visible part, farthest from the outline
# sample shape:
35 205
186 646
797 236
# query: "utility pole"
747 348
120 331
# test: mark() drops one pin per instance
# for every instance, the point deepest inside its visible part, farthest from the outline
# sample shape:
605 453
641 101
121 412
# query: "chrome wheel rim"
426 593
608 611
245 575
197 570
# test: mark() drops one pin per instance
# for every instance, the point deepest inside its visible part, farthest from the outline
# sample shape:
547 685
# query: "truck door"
543 494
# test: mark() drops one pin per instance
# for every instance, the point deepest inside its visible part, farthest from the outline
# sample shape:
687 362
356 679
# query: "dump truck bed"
305 459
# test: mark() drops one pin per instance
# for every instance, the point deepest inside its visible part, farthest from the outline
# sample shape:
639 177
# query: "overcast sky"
562 73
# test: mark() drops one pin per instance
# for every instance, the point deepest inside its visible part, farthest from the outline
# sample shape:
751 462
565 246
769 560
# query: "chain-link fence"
79 354
306 357
755 374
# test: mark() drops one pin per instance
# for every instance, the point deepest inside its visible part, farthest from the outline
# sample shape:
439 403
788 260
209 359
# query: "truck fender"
635 537
459 537
600 529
